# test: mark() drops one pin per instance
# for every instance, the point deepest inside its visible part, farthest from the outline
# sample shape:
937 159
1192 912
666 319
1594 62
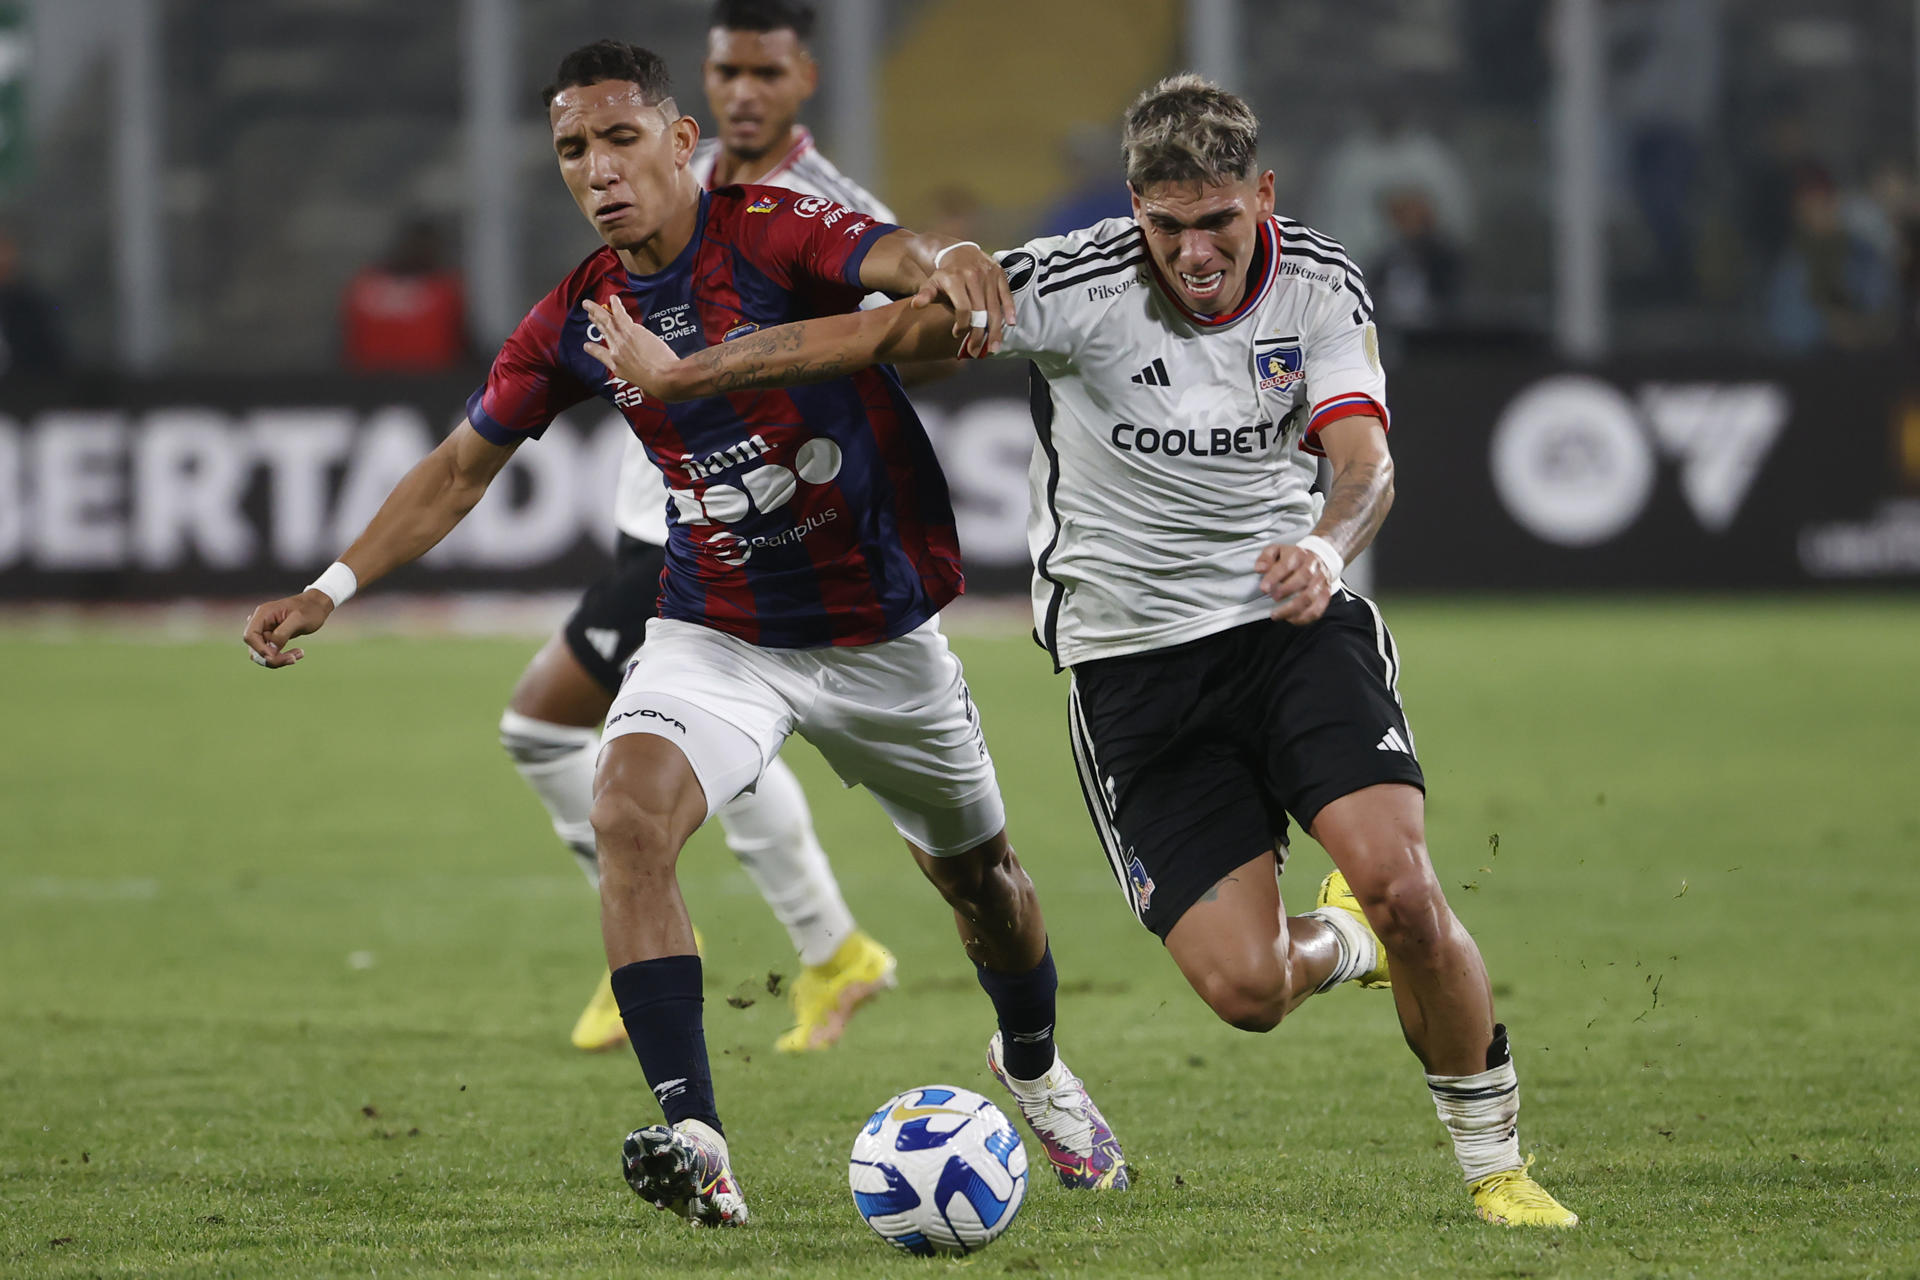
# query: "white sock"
770 830
1359 953
557 761
1035 1090
1482 1112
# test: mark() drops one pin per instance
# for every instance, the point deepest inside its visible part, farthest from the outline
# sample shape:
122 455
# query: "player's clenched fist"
273 624
1297 579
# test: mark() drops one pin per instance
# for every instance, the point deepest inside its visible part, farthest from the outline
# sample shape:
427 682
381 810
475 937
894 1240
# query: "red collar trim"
1266 271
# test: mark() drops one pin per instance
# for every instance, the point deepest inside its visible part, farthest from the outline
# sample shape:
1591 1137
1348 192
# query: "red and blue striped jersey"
797 518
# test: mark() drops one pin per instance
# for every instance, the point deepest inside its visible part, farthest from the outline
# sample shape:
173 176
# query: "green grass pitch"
287 964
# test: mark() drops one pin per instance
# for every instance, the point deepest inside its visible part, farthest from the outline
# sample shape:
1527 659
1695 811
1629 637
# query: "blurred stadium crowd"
1758 157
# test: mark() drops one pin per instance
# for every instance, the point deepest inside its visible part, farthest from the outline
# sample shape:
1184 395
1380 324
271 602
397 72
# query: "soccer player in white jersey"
758 74
1190 363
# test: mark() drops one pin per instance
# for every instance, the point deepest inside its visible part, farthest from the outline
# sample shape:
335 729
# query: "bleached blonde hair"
1188 129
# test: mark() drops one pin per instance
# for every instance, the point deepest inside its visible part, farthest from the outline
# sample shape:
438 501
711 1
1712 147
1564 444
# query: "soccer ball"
938 1170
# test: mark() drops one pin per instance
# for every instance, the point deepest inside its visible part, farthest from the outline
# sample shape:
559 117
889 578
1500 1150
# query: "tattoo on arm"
766 360
1357 503
821 349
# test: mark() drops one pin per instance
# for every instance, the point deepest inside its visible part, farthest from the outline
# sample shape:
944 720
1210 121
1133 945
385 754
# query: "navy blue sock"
660 1003
1024 1004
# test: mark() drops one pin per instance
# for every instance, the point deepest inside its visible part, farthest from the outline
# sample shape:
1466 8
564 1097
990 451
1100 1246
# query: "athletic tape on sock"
1482 1113
1359 953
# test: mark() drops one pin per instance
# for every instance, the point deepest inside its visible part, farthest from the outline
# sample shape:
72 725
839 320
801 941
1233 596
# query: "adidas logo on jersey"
1393 742
1154 375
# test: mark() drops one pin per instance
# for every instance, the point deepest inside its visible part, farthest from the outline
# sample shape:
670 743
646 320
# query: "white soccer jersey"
640 499
1173 446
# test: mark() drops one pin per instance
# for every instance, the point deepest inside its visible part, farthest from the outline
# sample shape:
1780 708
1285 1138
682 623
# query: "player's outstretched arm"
933 269
784 356
422 509
1300 577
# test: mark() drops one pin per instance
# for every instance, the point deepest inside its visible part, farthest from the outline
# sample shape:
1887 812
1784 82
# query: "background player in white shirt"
1187 363
758 74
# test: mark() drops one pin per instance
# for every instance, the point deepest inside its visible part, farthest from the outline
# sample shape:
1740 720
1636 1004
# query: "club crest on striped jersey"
1278 363
764 204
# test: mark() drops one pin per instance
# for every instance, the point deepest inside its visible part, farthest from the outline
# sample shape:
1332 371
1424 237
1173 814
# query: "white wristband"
337 584
1328 556
961 244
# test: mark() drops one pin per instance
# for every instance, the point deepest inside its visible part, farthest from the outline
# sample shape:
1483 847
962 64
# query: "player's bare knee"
631 840
1248 1001
1409 913
1246 989
978 880
978 894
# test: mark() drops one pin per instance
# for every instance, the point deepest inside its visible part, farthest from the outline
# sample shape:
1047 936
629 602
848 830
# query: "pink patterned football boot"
684 1170
1082 1148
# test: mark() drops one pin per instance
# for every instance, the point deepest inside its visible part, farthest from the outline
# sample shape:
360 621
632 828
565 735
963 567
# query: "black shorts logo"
1141 883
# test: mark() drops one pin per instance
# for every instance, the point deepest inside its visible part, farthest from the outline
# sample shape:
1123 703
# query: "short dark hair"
612 60
1188 129
765 15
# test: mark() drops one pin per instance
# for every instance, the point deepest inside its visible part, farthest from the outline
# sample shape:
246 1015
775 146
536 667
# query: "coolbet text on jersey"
1174 446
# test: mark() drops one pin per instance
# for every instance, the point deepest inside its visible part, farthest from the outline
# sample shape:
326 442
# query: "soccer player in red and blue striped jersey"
811 546
764 541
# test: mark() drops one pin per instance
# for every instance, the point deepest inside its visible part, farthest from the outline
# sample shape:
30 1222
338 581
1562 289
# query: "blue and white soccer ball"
938 1170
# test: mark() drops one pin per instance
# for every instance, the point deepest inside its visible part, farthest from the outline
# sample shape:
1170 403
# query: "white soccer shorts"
894 717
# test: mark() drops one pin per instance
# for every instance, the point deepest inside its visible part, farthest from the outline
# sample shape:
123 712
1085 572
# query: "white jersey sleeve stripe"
1112 268
1339 262
1317 253
1064 259
1073 250
1301 231
1118 251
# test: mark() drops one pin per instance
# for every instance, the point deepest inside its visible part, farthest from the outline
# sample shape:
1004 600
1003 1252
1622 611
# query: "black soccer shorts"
1191 757
611 619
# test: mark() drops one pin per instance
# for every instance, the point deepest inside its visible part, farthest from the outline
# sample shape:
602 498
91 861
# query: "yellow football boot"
1514 1199
599 1027
826 995
1335 893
